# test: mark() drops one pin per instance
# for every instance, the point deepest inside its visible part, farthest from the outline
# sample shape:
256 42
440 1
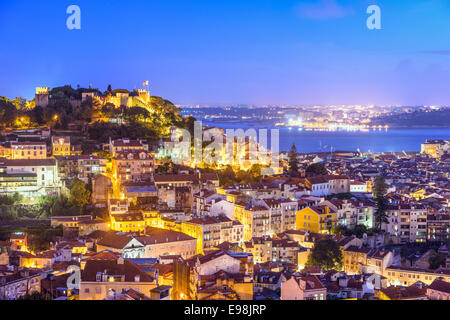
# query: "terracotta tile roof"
115 240
209 220
30 162
312 282
136 295
175 178
164 269
126 143
439 285
113 267
404 293
28 144
156 235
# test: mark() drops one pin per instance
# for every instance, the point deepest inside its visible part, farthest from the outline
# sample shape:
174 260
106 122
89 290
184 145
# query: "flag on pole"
145 83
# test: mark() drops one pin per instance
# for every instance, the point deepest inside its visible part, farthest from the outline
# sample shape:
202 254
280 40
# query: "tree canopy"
326 254
317 169
379 191
293 161
80 195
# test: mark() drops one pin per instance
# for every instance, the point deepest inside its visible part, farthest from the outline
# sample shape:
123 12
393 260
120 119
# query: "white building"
31 178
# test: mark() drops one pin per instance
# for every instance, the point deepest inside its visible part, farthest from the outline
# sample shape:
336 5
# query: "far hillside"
438 118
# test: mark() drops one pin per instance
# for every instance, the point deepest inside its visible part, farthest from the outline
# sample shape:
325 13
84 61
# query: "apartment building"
132 166
438 227
407 276
357 260
107 274
28 150
407 222
30 177
212 231
351 213
266 249
160 243
125 146
282 213
318 219
255 219
303 288
16 285
83 167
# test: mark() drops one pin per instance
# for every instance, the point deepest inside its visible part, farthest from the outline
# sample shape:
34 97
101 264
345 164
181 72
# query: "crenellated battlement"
42 90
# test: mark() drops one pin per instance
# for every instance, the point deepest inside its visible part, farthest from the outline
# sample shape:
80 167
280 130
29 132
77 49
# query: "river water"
391 140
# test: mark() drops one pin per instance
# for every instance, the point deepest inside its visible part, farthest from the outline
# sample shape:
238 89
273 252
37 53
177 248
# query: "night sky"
246 51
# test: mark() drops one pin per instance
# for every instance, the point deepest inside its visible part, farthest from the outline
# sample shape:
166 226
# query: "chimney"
327 209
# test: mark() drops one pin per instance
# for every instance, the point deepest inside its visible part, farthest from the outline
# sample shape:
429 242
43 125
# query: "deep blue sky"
246 51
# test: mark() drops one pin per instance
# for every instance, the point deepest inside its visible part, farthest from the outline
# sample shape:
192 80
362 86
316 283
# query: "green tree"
317 169
326 254
42 235
359 230
8 200
8 112
379 191
437 260
47 204
85 111
380 187
293 161
227 176
255 171
35 296
80 195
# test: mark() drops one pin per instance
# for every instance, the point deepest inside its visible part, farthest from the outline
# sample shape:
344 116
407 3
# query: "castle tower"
144 95
42 96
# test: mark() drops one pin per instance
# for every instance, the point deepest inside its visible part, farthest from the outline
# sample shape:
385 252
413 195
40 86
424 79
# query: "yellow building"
153 219
69 222
431 149
256 220
28 150
196 231
318 219
418 195
407 276
129 222
61 146
106 275
302 257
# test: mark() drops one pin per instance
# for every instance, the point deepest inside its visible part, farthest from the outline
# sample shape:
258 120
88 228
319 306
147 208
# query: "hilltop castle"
118 97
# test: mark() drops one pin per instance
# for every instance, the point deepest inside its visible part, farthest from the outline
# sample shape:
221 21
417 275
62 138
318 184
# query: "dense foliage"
293 162
317 169
379 191
142 120
326 254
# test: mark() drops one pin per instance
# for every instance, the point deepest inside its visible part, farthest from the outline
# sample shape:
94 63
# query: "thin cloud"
323 10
